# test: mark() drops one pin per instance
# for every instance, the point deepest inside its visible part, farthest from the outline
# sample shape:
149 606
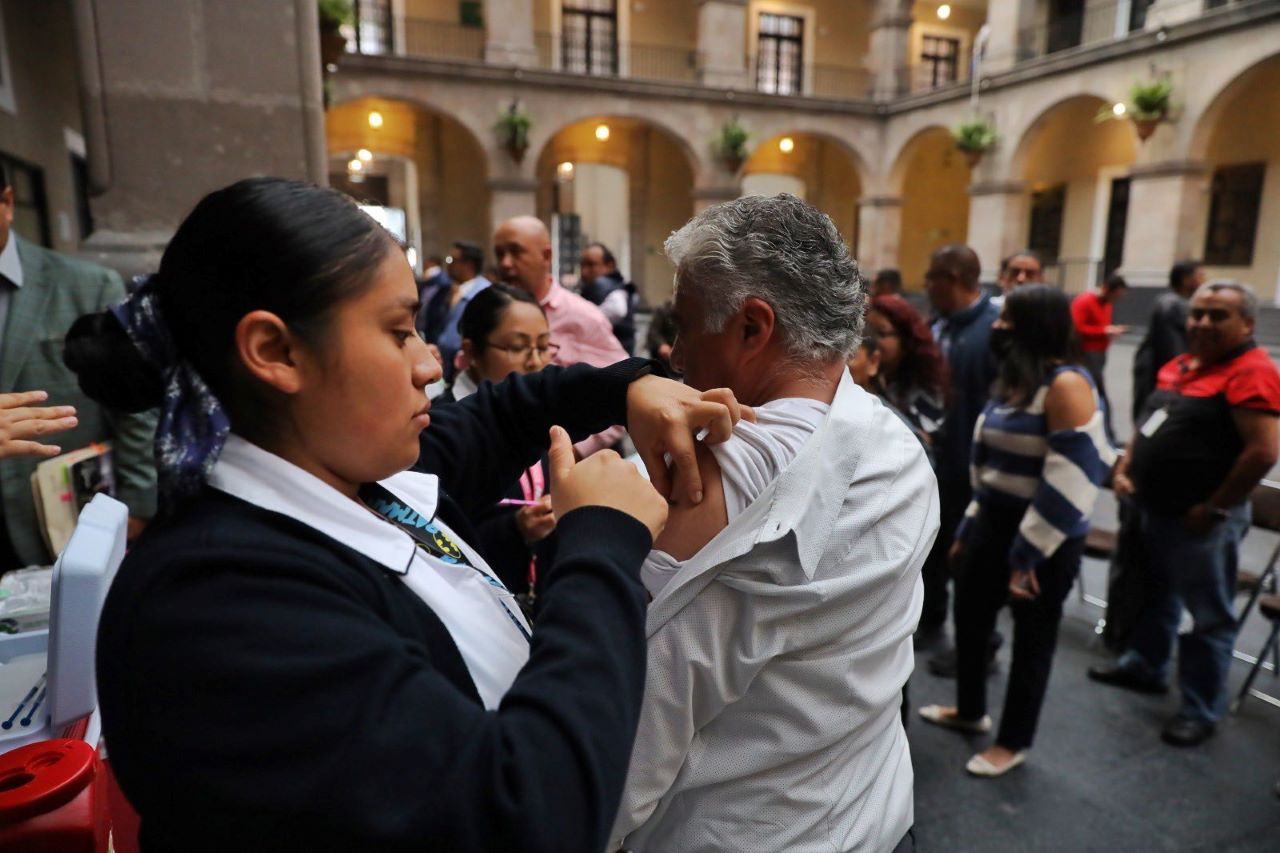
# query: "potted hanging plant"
974 138
513 131
730 144
1149 105
334 15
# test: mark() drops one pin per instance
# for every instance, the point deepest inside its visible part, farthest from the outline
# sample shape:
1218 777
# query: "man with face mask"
1207 436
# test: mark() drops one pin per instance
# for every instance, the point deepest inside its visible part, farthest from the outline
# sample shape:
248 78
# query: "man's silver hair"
783 251
1248 299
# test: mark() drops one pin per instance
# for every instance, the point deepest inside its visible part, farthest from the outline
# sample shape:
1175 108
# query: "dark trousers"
953 498
982 588
1096 363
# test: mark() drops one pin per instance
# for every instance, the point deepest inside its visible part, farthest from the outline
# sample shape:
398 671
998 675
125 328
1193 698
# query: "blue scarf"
193 425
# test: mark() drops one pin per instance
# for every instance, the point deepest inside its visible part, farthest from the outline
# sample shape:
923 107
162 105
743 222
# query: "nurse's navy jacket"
266 687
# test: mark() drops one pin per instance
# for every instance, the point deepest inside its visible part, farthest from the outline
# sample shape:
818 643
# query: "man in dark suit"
604 286
41 295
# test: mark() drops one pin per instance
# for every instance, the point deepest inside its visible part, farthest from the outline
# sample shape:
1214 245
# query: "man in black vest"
609 289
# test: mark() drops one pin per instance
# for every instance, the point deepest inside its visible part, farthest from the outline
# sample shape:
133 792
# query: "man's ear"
758 324
269 351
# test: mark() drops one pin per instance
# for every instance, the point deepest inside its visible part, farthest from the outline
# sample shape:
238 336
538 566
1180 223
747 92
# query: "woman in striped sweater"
1039 455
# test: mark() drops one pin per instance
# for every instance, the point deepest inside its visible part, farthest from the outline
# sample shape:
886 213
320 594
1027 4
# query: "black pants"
982 588
953 498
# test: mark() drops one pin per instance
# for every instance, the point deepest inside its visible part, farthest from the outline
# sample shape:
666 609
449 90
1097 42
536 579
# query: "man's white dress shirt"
778 653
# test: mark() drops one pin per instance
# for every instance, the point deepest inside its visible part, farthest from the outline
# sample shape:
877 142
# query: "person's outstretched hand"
602 479
663 418
22 421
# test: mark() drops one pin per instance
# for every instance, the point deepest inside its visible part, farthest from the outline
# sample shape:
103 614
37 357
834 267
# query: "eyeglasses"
545 352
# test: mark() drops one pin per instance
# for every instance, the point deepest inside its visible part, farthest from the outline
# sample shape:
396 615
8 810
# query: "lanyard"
431 538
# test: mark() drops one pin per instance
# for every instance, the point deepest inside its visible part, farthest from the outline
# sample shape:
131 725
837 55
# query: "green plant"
513 128
1150 100
730 142
976 135
335 13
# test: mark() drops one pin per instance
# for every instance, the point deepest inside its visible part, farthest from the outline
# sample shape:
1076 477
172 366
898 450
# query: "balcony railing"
424 39
573 54
1110 21
819 81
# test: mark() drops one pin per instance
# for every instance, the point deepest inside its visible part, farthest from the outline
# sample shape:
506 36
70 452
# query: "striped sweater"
1052 476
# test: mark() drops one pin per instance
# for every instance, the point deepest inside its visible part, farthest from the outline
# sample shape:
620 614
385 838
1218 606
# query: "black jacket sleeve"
478 446
254 703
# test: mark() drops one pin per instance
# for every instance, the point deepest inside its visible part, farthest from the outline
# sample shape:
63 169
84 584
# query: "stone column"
510 197
722 44
879 229
704 197
998 223
509 33
890 50
1168 199
187 97
1005 18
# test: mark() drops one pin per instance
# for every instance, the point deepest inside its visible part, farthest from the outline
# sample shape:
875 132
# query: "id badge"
1153 423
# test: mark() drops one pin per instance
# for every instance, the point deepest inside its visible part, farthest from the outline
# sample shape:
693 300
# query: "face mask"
1001 341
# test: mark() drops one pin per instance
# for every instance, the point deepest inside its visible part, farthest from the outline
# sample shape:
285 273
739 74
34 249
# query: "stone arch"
543 138
930 177
434 167
652 197
832 170
1209 120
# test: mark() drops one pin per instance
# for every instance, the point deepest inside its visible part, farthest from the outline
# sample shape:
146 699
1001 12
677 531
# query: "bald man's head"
522 248
952 278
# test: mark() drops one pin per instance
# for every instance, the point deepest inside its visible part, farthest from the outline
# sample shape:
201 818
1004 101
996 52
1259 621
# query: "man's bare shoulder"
690 527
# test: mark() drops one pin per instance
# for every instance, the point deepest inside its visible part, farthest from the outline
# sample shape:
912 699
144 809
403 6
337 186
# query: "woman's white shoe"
979 766
941 715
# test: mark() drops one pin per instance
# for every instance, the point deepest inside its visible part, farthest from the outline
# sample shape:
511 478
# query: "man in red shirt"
1208 435
1091 312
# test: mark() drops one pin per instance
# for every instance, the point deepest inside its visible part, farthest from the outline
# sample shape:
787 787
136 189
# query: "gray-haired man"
784 603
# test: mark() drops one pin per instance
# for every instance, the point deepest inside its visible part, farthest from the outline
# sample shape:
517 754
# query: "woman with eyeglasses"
505 331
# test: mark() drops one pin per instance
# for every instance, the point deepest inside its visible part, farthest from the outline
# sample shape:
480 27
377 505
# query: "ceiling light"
364 155
787 145
375 119
1118 109
355 165
602 132
944 12
565 170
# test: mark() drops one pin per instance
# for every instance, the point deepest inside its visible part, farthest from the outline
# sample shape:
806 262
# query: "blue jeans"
1198 572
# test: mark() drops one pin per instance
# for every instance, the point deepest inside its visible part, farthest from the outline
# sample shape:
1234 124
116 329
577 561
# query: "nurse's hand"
602 479
663 418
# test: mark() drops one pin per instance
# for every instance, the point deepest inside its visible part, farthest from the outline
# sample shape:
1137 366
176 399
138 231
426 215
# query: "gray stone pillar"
891 49
1171 197
187 97
1005 18
509 28
1166 13
998 222
879 230
722 44
704 197
510 197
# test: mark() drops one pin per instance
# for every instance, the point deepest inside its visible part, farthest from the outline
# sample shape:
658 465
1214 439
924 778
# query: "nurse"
307 652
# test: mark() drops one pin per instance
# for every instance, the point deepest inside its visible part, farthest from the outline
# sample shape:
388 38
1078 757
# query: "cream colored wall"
453 202
667 207
42 65
935 203
445 11
843 33
664 22
1248 131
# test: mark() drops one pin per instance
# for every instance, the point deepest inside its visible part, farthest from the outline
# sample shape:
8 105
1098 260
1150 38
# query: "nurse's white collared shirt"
479 612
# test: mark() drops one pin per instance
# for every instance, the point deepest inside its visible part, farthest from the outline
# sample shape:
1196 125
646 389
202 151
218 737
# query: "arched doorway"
932 178
823 168
1076 169
621 181
414 160
1239 141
